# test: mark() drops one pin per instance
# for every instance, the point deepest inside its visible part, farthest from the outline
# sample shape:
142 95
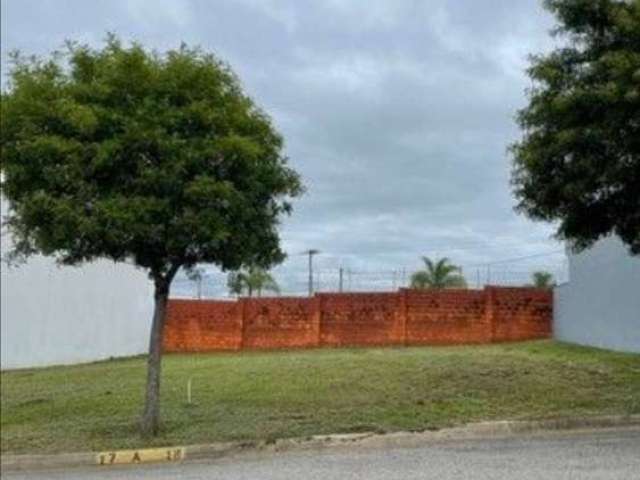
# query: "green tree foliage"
579 159
250 281
158 160
542 279
438 274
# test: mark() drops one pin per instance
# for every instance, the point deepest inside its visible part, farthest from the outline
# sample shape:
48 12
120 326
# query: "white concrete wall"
600 305
55 315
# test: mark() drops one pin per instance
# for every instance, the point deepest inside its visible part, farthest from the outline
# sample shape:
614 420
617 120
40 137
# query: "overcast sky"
396 113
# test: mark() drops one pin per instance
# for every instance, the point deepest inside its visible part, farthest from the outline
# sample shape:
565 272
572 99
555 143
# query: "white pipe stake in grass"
189 391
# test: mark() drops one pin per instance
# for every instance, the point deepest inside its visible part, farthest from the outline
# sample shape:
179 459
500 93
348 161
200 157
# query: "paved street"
576 455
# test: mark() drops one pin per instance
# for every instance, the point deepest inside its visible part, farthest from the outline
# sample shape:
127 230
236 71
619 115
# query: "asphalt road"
575 455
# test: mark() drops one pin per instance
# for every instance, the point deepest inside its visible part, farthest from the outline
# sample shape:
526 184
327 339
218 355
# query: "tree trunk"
151 416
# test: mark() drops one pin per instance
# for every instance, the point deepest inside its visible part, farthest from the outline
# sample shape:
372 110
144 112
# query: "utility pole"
311 252
341 284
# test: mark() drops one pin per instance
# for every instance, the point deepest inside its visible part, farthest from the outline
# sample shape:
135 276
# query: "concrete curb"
213 451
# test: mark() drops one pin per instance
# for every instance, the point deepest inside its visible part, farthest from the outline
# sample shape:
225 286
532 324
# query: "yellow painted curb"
145 455
365 440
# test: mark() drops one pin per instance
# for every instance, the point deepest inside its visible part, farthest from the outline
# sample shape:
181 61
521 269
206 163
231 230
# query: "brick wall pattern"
406 317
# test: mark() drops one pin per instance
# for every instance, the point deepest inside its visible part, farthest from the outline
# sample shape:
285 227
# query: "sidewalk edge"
396 439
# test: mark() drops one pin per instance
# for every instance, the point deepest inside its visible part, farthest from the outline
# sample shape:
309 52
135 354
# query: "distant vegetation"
196 274
251 281
542 279
438 274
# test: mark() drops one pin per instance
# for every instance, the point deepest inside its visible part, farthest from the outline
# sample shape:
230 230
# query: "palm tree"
440 274
252 280
196 274
542 279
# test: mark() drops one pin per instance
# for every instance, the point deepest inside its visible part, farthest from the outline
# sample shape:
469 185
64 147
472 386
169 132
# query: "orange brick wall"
279 323
360 319
194 326
406 317
447 317
520 317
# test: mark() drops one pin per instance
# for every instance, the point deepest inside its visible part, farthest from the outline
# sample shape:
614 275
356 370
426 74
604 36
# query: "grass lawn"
268 395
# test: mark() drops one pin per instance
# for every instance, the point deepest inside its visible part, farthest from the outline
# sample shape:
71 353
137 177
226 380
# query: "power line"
517 259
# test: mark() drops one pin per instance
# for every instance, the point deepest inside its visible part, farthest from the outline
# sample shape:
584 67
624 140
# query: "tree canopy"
160 160
130 155
578 162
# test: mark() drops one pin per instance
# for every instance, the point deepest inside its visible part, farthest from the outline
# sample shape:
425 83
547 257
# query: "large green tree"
578 162
438 274
156 159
